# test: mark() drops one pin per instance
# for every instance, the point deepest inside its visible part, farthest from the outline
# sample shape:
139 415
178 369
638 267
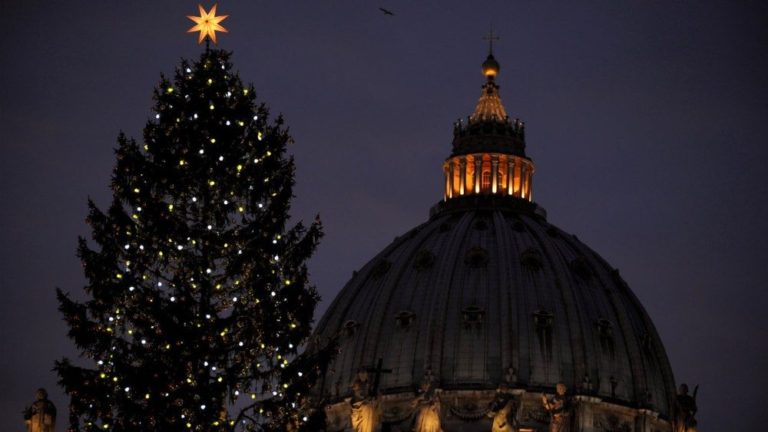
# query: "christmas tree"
197 296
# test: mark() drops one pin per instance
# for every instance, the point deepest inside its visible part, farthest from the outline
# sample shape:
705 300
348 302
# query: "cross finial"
490 37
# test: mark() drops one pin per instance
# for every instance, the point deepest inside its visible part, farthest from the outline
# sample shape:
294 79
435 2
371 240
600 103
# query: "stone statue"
41 416
559 408
502 410
427 407
364 405
685 410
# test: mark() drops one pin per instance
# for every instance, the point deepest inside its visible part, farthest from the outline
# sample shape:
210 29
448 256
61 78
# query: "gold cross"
490 37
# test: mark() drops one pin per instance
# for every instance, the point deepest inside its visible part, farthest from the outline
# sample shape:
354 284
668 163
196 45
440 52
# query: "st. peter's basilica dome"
488 297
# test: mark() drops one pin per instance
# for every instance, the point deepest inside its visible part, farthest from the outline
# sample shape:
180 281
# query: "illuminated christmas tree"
197 295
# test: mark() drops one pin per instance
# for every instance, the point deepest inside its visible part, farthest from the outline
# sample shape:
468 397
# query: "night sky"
646 120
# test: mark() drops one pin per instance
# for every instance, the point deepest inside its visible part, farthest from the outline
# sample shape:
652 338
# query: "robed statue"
41 415
685 410
559 409
427 407
502 410
364 404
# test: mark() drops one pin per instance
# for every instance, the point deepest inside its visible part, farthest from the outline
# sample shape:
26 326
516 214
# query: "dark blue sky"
646 120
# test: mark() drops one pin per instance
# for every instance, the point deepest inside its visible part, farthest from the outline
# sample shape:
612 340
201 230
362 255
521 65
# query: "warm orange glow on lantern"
488 174
207 24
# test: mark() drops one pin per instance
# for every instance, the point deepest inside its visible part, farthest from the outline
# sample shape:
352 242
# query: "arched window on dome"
485 178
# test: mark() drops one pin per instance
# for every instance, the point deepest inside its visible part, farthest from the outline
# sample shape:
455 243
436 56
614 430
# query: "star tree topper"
207 24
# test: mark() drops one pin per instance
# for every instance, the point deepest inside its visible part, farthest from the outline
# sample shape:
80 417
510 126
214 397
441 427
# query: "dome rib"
400 291
390 285
504 304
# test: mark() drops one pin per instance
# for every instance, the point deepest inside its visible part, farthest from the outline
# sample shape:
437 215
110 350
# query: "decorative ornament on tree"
207 24
197 298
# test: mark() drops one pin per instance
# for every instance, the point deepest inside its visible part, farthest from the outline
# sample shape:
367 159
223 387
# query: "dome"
488 296
487 288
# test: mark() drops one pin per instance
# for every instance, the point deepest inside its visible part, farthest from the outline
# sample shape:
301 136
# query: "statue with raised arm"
364 404
685 410
41 415
427 407
502 410
559 409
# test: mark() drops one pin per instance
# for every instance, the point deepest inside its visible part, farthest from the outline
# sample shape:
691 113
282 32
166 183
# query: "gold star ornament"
207 24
